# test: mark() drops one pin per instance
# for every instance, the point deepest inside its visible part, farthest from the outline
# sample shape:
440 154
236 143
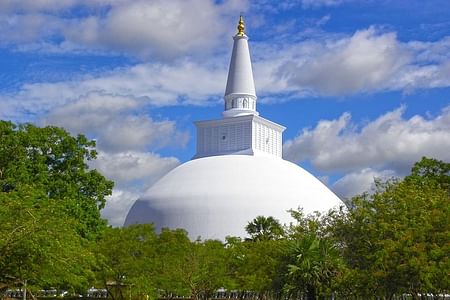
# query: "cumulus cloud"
361 181
366 61
125 167
126 137
156 84
390 141
371 60
147 29
115 123
161 28
133 173
118 205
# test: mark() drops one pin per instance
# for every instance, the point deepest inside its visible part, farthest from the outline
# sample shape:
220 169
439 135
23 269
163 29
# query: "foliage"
429 169
52 161
39 243
49 207
126 260
396 240
264 228
188 268
314 262
254 265
173 246
205 268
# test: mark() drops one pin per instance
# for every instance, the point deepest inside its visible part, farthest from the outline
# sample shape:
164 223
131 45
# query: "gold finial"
241 26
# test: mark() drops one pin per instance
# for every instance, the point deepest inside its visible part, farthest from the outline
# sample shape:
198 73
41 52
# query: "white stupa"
237 173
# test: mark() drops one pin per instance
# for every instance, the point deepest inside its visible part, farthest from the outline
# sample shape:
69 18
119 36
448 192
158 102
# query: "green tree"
52 161
126 261
205 268
39 243
255 265
429 169
264 228
396 240
314 263
188 268
313 260
50 206
173 247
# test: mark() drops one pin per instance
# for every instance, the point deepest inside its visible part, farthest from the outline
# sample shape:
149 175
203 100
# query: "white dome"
213 197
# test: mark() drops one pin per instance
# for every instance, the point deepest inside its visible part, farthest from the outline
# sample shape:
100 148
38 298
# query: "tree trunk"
311 293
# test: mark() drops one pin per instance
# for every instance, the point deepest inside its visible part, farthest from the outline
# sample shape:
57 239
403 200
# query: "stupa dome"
216 196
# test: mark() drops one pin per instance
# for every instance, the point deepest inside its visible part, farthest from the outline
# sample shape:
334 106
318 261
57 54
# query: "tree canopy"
50 205
264 228
53 162
40 243
397 240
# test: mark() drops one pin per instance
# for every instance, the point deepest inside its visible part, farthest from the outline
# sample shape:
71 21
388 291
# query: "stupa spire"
240 96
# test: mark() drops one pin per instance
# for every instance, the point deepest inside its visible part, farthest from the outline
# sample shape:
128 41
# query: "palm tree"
264 228
314 263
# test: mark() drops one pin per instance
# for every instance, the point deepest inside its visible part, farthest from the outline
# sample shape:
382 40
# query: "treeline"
392 242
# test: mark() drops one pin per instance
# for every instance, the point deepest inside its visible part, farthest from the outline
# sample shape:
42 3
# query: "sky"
363 86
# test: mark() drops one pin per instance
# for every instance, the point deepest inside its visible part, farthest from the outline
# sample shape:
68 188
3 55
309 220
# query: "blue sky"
363 87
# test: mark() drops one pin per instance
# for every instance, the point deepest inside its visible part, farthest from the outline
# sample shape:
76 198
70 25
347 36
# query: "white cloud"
390 141
117 124
147 29
126 167
162 28
156 84
133 173
369 61
358 182
436 52
364 62
118 205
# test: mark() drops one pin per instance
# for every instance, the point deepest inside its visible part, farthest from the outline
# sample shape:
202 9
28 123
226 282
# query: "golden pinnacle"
241 26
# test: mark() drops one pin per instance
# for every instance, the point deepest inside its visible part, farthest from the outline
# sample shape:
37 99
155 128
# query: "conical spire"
240 95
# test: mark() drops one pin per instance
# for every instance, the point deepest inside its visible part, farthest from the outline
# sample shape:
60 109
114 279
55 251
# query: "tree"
396 240
50 205
313 260
255 265
264 228
205 268
186 268
52 161
173 247
126 259
39 243
314 263
434 170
